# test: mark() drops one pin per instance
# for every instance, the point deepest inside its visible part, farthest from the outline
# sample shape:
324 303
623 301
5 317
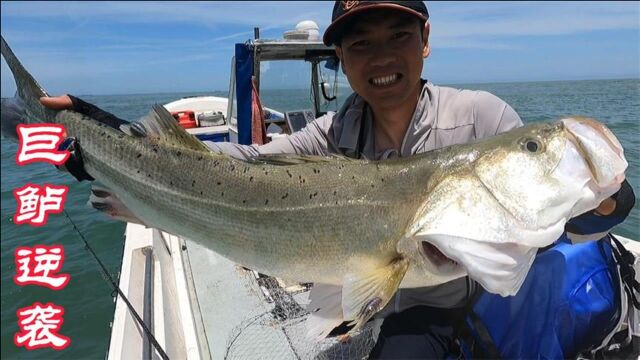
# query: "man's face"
382 57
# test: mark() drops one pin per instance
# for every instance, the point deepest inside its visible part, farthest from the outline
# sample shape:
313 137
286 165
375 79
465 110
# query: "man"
393 113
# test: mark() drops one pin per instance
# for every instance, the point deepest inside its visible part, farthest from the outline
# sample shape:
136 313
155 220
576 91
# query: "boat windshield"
287 85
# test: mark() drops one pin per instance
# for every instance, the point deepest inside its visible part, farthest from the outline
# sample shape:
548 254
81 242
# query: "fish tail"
25 107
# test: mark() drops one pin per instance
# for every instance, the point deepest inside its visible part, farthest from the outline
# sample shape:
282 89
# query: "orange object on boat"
185 118
258 127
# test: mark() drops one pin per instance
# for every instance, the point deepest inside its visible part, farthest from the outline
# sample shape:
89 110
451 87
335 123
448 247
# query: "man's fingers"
606 207
57 103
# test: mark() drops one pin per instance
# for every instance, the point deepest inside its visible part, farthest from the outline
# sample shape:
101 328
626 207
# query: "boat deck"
228 299
248 316
200 305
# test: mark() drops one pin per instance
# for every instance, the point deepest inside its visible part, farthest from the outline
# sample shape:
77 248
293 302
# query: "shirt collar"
352 127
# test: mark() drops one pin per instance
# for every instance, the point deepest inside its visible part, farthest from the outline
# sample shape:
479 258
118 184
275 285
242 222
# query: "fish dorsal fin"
291 159
160 126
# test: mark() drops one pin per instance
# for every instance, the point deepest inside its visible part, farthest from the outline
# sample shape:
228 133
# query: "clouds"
515 41
89 40
246 14
450 20
190 44
503 25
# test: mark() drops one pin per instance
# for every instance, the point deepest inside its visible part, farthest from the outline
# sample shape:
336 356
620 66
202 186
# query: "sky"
95 48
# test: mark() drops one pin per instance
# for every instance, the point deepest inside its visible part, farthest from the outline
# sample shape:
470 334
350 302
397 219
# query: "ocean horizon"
449 84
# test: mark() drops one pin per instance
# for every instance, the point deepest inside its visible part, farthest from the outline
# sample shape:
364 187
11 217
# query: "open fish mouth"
440 263
436 256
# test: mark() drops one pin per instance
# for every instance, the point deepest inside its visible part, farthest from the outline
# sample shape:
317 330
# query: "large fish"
363 227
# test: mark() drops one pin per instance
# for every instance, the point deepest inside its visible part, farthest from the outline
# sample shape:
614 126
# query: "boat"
196 303
206 116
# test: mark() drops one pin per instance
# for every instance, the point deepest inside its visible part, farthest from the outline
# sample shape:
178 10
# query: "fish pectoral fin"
364 294
289 159
103 200
325 310
160 126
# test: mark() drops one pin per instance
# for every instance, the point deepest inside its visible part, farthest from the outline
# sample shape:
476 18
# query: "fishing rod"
116 288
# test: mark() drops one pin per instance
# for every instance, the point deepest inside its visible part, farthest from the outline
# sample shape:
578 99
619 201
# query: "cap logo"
348 5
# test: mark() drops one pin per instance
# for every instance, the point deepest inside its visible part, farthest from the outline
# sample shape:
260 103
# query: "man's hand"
74 164
100 199
595 224
606 207
57 103
70 102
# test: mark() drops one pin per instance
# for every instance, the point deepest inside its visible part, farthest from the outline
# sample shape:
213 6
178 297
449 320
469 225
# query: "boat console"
298 119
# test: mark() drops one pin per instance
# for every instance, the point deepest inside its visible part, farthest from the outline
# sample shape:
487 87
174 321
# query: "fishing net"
280 333
246 315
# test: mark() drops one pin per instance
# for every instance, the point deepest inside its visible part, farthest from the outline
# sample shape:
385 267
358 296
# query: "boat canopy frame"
247 59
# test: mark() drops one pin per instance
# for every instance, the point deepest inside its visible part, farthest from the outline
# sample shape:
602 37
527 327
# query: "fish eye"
531 145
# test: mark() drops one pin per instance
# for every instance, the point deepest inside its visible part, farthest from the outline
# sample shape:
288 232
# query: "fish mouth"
600 149
437 257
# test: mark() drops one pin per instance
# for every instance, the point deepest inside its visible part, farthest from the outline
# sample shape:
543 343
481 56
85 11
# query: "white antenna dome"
307 30
307 25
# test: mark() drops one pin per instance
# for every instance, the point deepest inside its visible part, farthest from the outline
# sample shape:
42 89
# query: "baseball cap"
343 10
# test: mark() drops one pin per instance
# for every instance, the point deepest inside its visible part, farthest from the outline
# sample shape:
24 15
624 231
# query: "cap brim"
338 25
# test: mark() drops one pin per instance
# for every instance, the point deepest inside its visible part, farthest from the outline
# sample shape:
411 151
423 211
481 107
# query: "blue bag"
569 303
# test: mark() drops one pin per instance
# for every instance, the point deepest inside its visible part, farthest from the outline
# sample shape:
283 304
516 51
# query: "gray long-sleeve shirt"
444 116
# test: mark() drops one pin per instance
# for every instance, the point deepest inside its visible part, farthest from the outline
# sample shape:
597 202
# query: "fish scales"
333 208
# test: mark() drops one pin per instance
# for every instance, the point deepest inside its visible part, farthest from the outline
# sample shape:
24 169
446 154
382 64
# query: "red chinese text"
40 266
39 325
39 142
35 203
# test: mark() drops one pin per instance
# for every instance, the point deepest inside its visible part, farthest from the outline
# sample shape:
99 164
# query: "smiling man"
382 53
